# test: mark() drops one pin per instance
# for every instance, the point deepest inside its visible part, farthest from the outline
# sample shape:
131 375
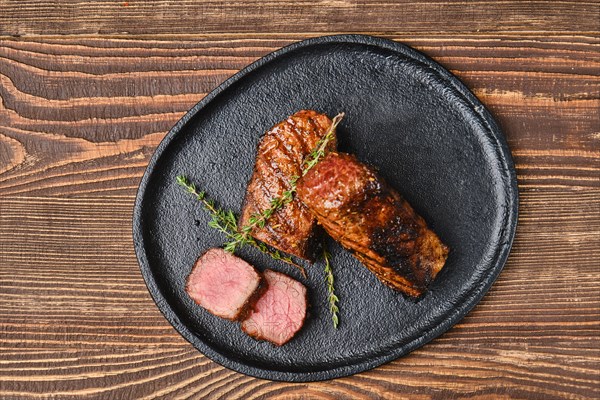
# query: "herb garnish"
260 219
333 299
226 223
319 151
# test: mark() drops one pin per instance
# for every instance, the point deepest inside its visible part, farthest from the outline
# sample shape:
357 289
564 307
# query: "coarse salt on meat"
223 284
280 312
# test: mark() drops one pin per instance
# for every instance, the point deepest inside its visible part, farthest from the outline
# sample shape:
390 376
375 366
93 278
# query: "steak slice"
280 312
223 284
358 209
279 157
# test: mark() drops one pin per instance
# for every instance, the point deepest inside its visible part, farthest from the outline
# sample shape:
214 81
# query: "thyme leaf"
319 151
260 219
226 222
333 299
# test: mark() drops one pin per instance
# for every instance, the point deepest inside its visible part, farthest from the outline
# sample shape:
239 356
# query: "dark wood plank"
77 105
79 119
75 310
27 17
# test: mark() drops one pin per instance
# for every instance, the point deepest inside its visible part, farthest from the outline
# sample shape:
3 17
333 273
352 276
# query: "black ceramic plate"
406 115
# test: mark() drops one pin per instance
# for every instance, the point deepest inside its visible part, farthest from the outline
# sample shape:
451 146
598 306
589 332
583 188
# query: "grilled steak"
224 284
280 155
279 313
358 209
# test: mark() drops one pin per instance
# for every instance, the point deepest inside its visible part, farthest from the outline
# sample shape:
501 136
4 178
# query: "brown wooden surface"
88 90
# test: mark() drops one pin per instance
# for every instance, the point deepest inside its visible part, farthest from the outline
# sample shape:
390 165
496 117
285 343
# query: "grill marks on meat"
271 305
355 206
358 209
280 312
224 284
280 154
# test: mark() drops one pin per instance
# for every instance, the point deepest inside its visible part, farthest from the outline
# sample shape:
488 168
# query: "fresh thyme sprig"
226 223
223 221
260 219
333 299
319 151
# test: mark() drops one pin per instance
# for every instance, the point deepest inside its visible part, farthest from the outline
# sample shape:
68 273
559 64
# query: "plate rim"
505 240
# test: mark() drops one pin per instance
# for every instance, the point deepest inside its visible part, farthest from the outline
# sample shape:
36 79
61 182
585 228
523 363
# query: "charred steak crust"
368 217
280 154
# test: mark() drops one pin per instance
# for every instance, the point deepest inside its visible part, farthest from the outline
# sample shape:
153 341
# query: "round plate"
418 124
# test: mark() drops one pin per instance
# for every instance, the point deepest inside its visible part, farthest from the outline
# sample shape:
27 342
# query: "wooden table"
88 90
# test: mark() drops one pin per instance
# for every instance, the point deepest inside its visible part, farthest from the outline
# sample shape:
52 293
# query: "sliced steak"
280 312
358 209
224 284
279 157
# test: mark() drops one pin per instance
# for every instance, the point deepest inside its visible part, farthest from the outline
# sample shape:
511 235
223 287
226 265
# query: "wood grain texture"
80 117
26 17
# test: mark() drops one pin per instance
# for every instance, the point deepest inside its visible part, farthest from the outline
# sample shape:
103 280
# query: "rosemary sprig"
226 223
260 219
333 299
